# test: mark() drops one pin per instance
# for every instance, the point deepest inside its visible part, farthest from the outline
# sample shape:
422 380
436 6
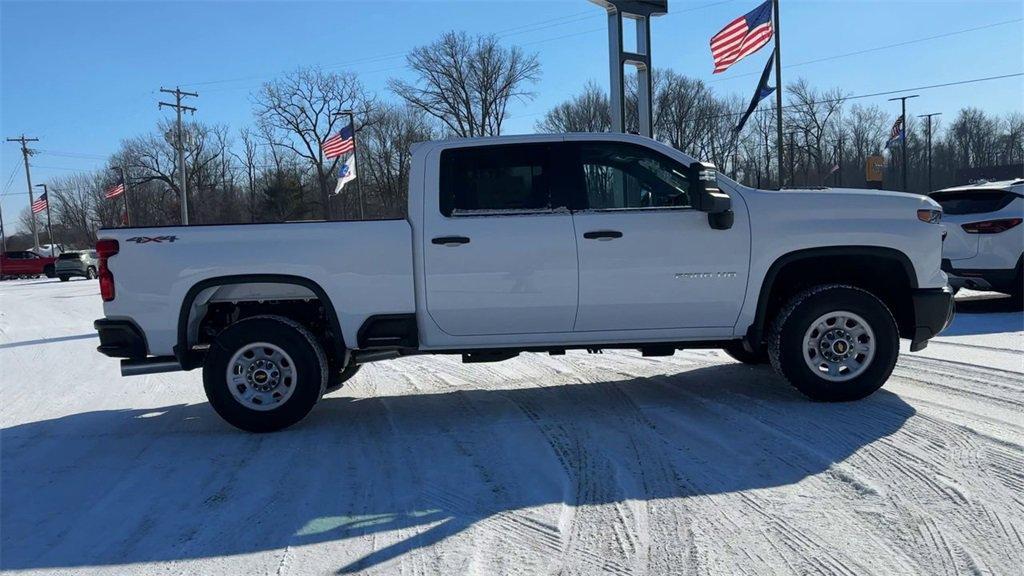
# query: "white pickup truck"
537 243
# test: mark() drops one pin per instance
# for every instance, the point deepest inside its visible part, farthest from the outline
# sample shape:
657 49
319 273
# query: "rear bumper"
998 279
72 270
120 339
933 313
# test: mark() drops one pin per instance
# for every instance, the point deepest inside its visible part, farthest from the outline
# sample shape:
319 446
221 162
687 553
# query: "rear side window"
973 201
495 179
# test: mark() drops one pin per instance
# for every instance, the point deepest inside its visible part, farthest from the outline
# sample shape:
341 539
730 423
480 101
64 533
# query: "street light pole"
903 143
49 230
929 120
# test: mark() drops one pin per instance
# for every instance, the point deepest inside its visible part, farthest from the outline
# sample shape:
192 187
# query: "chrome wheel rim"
839 346
261 376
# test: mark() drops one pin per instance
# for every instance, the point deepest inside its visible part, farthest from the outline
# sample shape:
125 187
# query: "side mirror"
707 197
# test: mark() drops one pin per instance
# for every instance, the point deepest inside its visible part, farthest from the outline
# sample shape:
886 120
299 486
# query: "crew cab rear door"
647 259
498 248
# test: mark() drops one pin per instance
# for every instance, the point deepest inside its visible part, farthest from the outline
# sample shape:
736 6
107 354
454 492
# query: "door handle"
602 235
450 240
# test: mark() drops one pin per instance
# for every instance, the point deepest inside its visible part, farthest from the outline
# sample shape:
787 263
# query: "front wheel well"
885 273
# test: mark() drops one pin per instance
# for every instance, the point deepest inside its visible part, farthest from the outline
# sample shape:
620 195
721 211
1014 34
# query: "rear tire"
49 271
834 343
264 373
739 353
64 278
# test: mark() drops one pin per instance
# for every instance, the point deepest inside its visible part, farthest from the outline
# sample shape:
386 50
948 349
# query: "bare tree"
586 112
385 154
248 161
815 115
467 83
300 110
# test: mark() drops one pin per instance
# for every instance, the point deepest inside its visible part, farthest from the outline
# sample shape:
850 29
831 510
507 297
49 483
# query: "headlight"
929 215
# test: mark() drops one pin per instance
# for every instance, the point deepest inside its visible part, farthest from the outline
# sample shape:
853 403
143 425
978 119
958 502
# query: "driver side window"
625 176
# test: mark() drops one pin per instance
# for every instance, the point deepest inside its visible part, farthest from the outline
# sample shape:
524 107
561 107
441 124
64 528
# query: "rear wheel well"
213 305
886 276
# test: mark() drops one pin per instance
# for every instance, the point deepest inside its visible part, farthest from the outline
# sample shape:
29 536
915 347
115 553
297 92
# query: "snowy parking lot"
578 464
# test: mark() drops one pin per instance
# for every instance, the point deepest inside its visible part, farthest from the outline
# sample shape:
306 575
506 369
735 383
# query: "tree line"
274 170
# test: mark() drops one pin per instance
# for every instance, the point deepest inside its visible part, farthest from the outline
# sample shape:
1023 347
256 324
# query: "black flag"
762 92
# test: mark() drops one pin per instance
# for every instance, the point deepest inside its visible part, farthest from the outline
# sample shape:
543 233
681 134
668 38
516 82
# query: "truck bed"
364 267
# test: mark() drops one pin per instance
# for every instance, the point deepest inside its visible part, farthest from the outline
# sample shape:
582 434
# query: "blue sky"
81 76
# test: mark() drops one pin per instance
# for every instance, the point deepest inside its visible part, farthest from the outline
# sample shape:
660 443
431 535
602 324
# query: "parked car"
984 249
26 264
84 264
537 243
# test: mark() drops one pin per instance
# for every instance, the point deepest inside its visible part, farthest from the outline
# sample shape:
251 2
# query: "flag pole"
778 89
355 160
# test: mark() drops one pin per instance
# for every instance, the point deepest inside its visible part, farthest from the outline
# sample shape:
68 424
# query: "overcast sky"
82 76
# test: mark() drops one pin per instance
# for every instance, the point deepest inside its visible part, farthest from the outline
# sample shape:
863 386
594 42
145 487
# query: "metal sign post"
640 12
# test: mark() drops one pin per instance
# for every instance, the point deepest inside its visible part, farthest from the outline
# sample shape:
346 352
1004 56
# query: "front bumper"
933 313
120 339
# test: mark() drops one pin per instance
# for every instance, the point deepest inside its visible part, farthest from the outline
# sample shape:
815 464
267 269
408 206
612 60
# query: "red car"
24 263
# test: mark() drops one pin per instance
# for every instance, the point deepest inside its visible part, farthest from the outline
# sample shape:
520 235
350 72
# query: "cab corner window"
494 179
623 176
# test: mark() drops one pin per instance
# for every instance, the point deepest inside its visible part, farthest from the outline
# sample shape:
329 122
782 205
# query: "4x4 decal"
147 239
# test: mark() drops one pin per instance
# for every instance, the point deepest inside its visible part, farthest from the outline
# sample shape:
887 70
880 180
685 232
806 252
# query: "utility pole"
792 165
25 153
180 145
3 233
49 229
124 182
929 120
903 143
355 147
778 88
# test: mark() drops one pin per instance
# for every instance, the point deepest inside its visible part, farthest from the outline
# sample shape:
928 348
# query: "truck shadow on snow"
174 483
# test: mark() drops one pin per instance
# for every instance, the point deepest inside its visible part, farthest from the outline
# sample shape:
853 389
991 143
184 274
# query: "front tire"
64 278
834 343
264 373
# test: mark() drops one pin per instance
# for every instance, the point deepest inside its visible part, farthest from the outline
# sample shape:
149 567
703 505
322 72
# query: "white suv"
985 237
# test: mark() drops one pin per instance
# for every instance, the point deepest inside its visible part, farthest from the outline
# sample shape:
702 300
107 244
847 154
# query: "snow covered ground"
579 464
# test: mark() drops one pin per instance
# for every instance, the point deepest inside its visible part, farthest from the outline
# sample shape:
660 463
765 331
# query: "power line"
71 154
534 27
874 94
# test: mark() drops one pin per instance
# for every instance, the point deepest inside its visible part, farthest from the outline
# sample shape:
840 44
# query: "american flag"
742 37
40 204
896 134
342 142
114 191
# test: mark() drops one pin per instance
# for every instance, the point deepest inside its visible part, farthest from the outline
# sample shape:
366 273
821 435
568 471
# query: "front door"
647 259
499 250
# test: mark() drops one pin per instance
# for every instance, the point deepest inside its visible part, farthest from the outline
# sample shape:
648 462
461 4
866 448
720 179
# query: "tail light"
991 226
105 249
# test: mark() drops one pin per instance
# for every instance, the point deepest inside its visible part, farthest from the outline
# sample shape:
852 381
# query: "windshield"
70 256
